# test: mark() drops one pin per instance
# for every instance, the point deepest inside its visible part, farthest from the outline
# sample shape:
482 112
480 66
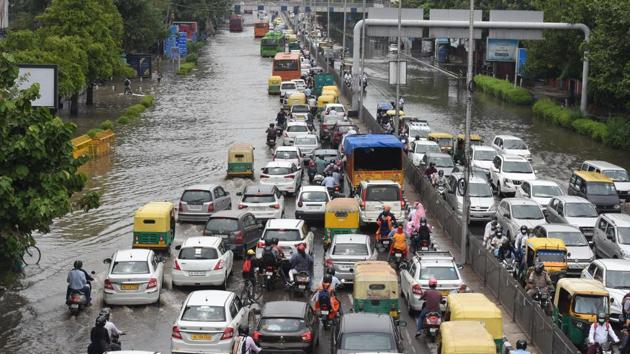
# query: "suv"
613 274
508 172
442 161
618 174
199 201
372 195
482 206
539 190
579 253
482 157
513 213
597 188
290 233
238 229
575 211
511 145
264 201
612 236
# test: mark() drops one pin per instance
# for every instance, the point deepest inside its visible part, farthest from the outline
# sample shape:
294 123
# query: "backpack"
324 298
247 265
244 345
268 258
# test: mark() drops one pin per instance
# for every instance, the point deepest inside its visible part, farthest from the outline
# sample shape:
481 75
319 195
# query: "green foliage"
551 111
618 133
143 24
147 101
596 130
503 90
123 120
191 58
185 68
106 125
135 111
92 132
200 10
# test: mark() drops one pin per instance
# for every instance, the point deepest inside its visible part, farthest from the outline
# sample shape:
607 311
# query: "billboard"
189 27
501 49
402 67
44 75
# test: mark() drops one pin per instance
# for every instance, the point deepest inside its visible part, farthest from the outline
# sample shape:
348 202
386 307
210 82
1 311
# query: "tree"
23 13
38 174
143 24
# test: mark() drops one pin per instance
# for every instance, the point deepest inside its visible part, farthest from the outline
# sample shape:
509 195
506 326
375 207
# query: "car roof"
618 219
229 214
288 82
259 189
555 227
425 142
313 189
292 309
133 254
542 182
204 186
508 137
603 165
482 147
351 238
379 181
208 297
614 263
284 223
202 241
521 201
437 154
593 176
287 148
325 152
571 199
296 123
279 163
512 158
366 322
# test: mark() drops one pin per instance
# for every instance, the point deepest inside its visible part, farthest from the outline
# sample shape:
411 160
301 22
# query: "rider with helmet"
281 119
276 248
424 235
441 179
325 296
247 341
489 230
271 132
521 241
79 280
538 279
497 239
301 262
430 171
111 328
385 221
99 337
505 250
521 346
432 301
600 333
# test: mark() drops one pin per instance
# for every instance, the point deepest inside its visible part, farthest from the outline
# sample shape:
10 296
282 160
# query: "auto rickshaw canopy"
274 80
465 337
154 216
477 307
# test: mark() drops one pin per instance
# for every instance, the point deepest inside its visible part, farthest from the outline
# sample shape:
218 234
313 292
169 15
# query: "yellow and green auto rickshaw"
273 85
296 98
477 307
575 307
375 288
465 337
322 101
444 140
333 93
154 226
240 161
331 88
341 217
552 252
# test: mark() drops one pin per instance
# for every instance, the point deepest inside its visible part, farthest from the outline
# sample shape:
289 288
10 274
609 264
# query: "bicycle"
249 293
31 254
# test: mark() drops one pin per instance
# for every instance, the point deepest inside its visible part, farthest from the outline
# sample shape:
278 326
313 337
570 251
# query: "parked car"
283 174
482 204
345 251
306 143
618 174
579 253
508 172
238 229
597 188
310 203
482 157
208 322
264 201
418 148
512 213
511 145
442 161
294 129
199 201
539 190
612 236
202 261
372 195
134 277
290 233
287 326
575 211
614 275
367 333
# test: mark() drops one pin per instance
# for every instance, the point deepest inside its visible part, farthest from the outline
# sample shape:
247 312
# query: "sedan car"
134 277
511 145
199 201
238 229
310 203
283 174
419 148
287 88
442 161
306 143
208 322
202 261
579 253
287 327
290 233
367 333
575 211
614 274
345 251
539 190
288 153
294 129
512 213
264 201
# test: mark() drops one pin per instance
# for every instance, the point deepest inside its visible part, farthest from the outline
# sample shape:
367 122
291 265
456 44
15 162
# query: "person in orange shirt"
399 241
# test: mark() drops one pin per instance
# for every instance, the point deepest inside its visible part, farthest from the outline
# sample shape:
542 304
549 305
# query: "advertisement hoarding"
46 76
501 49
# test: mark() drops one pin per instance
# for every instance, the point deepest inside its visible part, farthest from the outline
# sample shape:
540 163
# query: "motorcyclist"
247 341
301 262
496 239
489 231
325 295
277 251
78 280
430 171
538 279
521 241
99 337
271 132
111 328
399 241
385 222
600 333
441 181
307 92
432 300
321 164
329 182
505 250
269 258
249 266
311 171
424 233
281 119
521 346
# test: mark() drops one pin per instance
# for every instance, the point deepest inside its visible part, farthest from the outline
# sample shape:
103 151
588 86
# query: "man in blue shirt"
329 181
521 345
77 281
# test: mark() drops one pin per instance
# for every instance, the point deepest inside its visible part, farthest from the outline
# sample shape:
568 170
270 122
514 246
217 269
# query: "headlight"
505 180
617 206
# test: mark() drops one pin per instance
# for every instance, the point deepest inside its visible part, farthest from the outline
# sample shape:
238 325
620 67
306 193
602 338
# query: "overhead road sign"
392 14
452 15
516 16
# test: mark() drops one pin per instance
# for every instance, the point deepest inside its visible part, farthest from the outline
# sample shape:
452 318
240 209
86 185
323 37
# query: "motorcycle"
76 302
441 188
271 142
384 243
318 179
269 278
425 245
326 316
397 258
334 192
510 265
301 284
543 299
431 325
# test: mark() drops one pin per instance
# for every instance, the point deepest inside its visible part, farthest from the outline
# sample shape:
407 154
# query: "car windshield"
338 109
367 342
382 193
297 129
277 171
424 148
623 233
314 197
484 155
480 190
350 249
331 119
259 198
514 145
618 279
442 161
527 212
551 256
204 314
282 235
198 253
546 191
300 108
196 197
306 140
222 225
616 175
439 273
569 238
517 167
286 155
282 324
288 86
417 131
131 267
444 142
596 188
591 305
580 210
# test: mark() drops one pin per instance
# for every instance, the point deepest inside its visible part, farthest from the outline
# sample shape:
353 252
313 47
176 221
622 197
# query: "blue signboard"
141 63
283 8
237 9
501 49
170 42
261 7
181 44
522 58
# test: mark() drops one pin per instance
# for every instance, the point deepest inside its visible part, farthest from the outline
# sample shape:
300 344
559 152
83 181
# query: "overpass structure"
307 6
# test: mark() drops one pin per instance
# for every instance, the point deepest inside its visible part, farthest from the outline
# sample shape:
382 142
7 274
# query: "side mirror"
401 323
239 193
612 300
178 247
107 260
93 272
227 193
609 237
506 215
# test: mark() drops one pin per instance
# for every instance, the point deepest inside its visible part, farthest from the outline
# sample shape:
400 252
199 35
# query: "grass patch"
503 90
185 68
135 110
123 120
107 125
191 58
553 112
147 101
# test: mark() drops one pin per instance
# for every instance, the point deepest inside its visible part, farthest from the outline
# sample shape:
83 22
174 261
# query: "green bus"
271 44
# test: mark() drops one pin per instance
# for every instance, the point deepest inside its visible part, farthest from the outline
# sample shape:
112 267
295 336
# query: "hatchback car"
283 174
614 275
288 153
299 84
508 172
202 261
208 322
310 203
287 88
294 129
264 201
287 327
482 157
482 204
442 161
572 210
306 143
345 251
418 148
134 277
367 333
579 253
199 201
290 233
511 145
238 229
372 195
612 236
512 213
539 190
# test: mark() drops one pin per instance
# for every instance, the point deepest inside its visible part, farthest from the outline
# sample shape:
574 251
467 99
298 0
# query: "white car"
418 148
287 88
208 322
482 157
339 109
539 190
482 204
419 128
288 153
512 213
264 201
299 84
614 275
294 129
311 202
134 277
579 253
290 233
373 195
306 143
575 211
511 145
202 261
282 174
508 172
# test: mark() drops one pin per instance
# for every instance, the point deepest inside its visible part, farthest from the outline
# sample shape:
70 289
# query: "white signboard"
453 15
46 77
516 16
402 70
4 14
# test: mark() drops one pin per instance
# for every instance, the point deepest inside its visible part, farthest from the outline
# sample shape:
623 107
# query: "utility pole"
328 21
343 41
397 118
469 87
359 79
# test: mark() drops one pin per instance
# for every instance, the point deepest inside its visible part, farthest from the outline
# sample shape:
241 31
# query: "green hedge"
596 130
147 101
618 133
185 68
106 125
551 111
135 110
191 58
503 90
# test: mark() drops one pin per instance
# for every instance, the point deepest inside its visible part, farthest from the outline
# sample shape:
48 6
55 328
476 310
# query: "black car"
287 327
238 228
367 332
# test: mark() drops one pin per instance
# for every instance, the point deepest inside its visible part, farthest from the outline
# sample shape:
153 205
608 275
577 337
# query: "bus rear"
236 23
287 66
260 29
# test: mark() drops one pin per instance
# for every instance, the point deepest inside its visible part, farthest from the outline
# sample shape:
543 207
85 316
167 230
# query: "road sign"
516 16
452 15
402 69
392 14
501 49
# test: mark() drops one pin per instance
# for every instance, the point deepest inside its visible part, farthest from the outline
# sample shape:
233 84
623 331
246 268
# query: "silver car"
307 143
345 251
199 201
482 205
442 161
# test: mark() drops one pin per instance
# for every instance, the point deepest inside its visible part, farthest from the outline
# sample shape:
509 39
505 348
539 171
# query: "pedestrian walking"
128 87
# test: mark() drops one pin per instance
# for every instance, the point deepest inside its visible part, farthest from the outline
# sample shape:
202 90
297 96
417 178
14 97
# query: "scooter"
543 299
431 325
269 278
301 283
76 302
425 245
271 142
326 316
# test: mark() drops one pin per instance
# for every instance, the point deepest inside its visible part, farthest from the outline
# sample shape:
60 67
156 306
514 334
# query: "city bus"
272 43
260 28
236 23
287 66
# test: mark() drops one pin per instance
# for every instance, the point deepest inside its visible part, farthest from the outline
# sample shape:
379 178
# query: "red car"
339 130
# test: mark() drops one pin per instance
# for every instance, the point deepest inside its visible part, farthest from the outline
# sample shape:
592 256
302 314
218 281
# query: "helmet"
423 220
539 267
78 264
100 321
524 229
441 173
271 125
521 344
105 312
601 317
251 253
327 279
243 330
275 241
301 248
493 223
330 270
432 283
505 241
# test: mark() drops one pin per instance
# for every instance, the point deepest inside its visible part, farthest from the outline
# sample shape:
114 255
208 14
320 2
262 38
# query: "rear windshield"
298 108
288 86
580 210
198 253
286 155
282 325
551 256
591 305
527 212
367 342
484 155
282 235
350 249
382 193
277 171
297 129
442 161
480 190
424 148
517 167
616 175
259 198
546 191
596 188
439 273
131 267
570 238
314 197
514 145
306 140
196 197
204 314
381 159
222 225
330 119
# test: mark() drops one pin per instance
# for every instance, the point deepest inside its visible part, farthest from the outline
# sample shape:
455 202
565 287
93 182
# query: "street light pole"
328 21
359 80
343 41
397 118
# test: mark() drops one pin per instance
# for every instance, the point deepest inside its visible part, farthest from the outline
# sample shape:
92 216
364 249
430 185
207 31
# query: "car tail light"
176 265
181 206
75 298
275 206
416 289
210 207
307 337
256 336
402 201
108 284
242 206
219 265
300 204
152 283
289 176
176 332
261 244
238 237
228 333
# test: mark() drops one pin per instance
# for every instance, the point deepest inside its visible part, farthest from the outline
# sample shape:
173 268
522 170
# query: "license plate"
194 207
432 330
312 207
201 337
301 286
398 255
325 313
386 242
129 286
269 274
74 306
197 274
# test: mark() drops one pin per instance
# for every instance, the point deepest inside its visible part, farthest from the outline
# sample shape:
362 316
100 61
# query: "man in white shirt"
599 333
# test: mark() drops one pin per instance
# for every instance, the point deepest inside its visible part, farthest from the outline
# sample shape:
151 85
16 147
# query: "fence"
100 145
